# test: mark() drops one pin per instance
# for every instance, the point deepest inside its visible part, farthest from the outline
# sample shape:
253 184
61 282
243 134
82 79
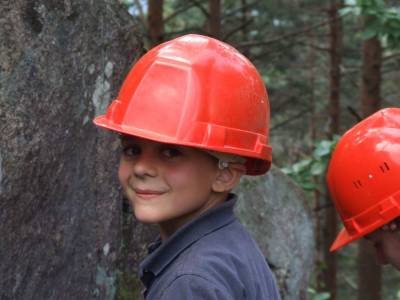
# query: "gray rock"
275 211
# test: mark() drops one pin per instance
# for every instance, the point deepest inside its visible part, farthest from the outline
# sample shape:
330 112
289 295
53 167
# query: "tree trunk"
336 36
313 136
331 225
61 62
214 20
155 21
245 19
371 77
369 272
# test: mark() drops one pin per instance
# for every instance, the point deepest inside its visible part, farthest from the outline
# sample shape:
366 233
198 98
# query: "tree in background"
335 53
155 22
214 18
369 272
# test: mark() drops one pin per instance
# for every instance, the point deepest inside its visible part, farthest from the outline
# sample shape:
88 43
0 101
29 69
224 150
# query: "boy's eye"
131 151
171 152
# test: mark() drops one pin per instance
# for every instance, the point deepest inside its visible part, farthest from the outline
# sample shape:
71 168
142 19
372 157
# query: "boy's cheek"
123 174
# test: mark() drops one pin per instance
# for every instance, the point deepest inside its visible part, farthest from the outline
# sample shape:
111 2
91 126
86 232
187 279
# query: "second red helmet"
364 175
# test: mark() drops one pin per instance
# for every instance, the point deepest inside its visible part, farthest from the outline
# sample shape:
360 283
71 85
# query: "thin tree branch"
200 6
292 118
316 47
389 70
185 31
272 51
142 16
322 207
178 12
234 11
291 97
238 28
322 49
288 35
394 55
354 113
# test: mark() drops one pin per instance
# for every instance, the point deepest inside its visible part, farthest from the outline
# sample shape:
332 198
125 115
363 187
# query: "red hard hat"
196 91
364 175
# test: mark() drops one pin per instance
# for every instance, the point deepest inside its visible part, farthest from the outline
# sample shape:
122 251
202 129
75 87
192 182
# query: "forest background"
327 64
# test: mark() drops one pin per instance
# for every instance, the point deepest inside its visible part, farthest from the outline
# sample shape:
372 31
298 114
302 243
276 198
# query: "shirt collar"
167 251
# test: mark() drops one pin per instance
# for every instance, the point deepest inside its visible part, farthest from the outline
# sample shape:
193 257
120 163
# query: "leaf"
309 186
368 33
323 148
301 165
322 296
318 296
287 170
317 168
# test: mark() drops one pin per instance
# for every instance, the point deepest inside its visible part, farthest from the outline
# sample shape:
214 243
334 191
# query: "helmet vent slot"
357 184
384 168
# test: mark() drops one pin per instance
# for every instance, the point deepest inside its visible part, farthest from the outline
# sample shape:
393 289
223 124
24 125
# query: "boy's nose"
145 165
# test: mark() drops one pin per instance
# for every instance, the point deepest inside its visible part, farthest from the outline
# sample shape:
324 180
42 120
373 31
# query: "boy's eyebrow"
124 137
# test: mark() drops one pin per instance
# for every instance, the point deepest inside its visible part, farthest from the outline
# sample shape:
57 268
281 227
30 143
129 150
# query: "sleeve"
195 287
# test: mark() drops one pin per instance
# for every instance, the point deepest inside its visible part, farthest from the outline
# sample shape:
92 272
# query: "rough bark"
60 214
369 272
155 21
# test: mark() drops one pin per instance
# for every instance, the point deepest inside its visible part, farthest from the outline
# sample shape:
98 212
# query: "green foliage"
314 295
383 21
304 171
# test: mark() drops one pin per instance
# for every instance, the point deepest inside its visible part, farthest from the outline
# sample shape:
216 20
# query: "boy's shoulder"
225 262
213 254
229 248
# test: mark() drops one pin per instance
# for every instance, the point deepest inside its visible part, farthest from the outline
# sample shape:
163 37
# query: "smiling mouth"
148 194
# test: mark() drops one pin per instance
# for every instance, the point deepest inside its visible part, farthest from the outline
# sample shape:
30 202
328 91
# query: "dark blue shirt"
211 257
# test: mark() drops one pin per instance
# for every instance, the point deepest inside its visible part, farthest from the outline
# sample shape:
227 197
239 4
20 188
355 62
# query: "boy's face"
387 245
167 184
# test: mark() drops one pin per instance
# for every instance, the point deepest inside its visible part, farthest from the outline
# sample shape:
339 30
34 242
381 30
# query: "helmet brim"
343 239
254 165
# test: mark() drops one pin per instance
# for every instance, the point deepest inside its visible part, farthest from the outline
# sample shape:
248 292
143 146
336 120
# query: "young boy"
364 181
193 117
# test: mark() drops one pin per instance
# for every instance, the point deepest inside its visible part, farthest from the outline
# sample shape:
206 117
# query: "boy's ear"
227 178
